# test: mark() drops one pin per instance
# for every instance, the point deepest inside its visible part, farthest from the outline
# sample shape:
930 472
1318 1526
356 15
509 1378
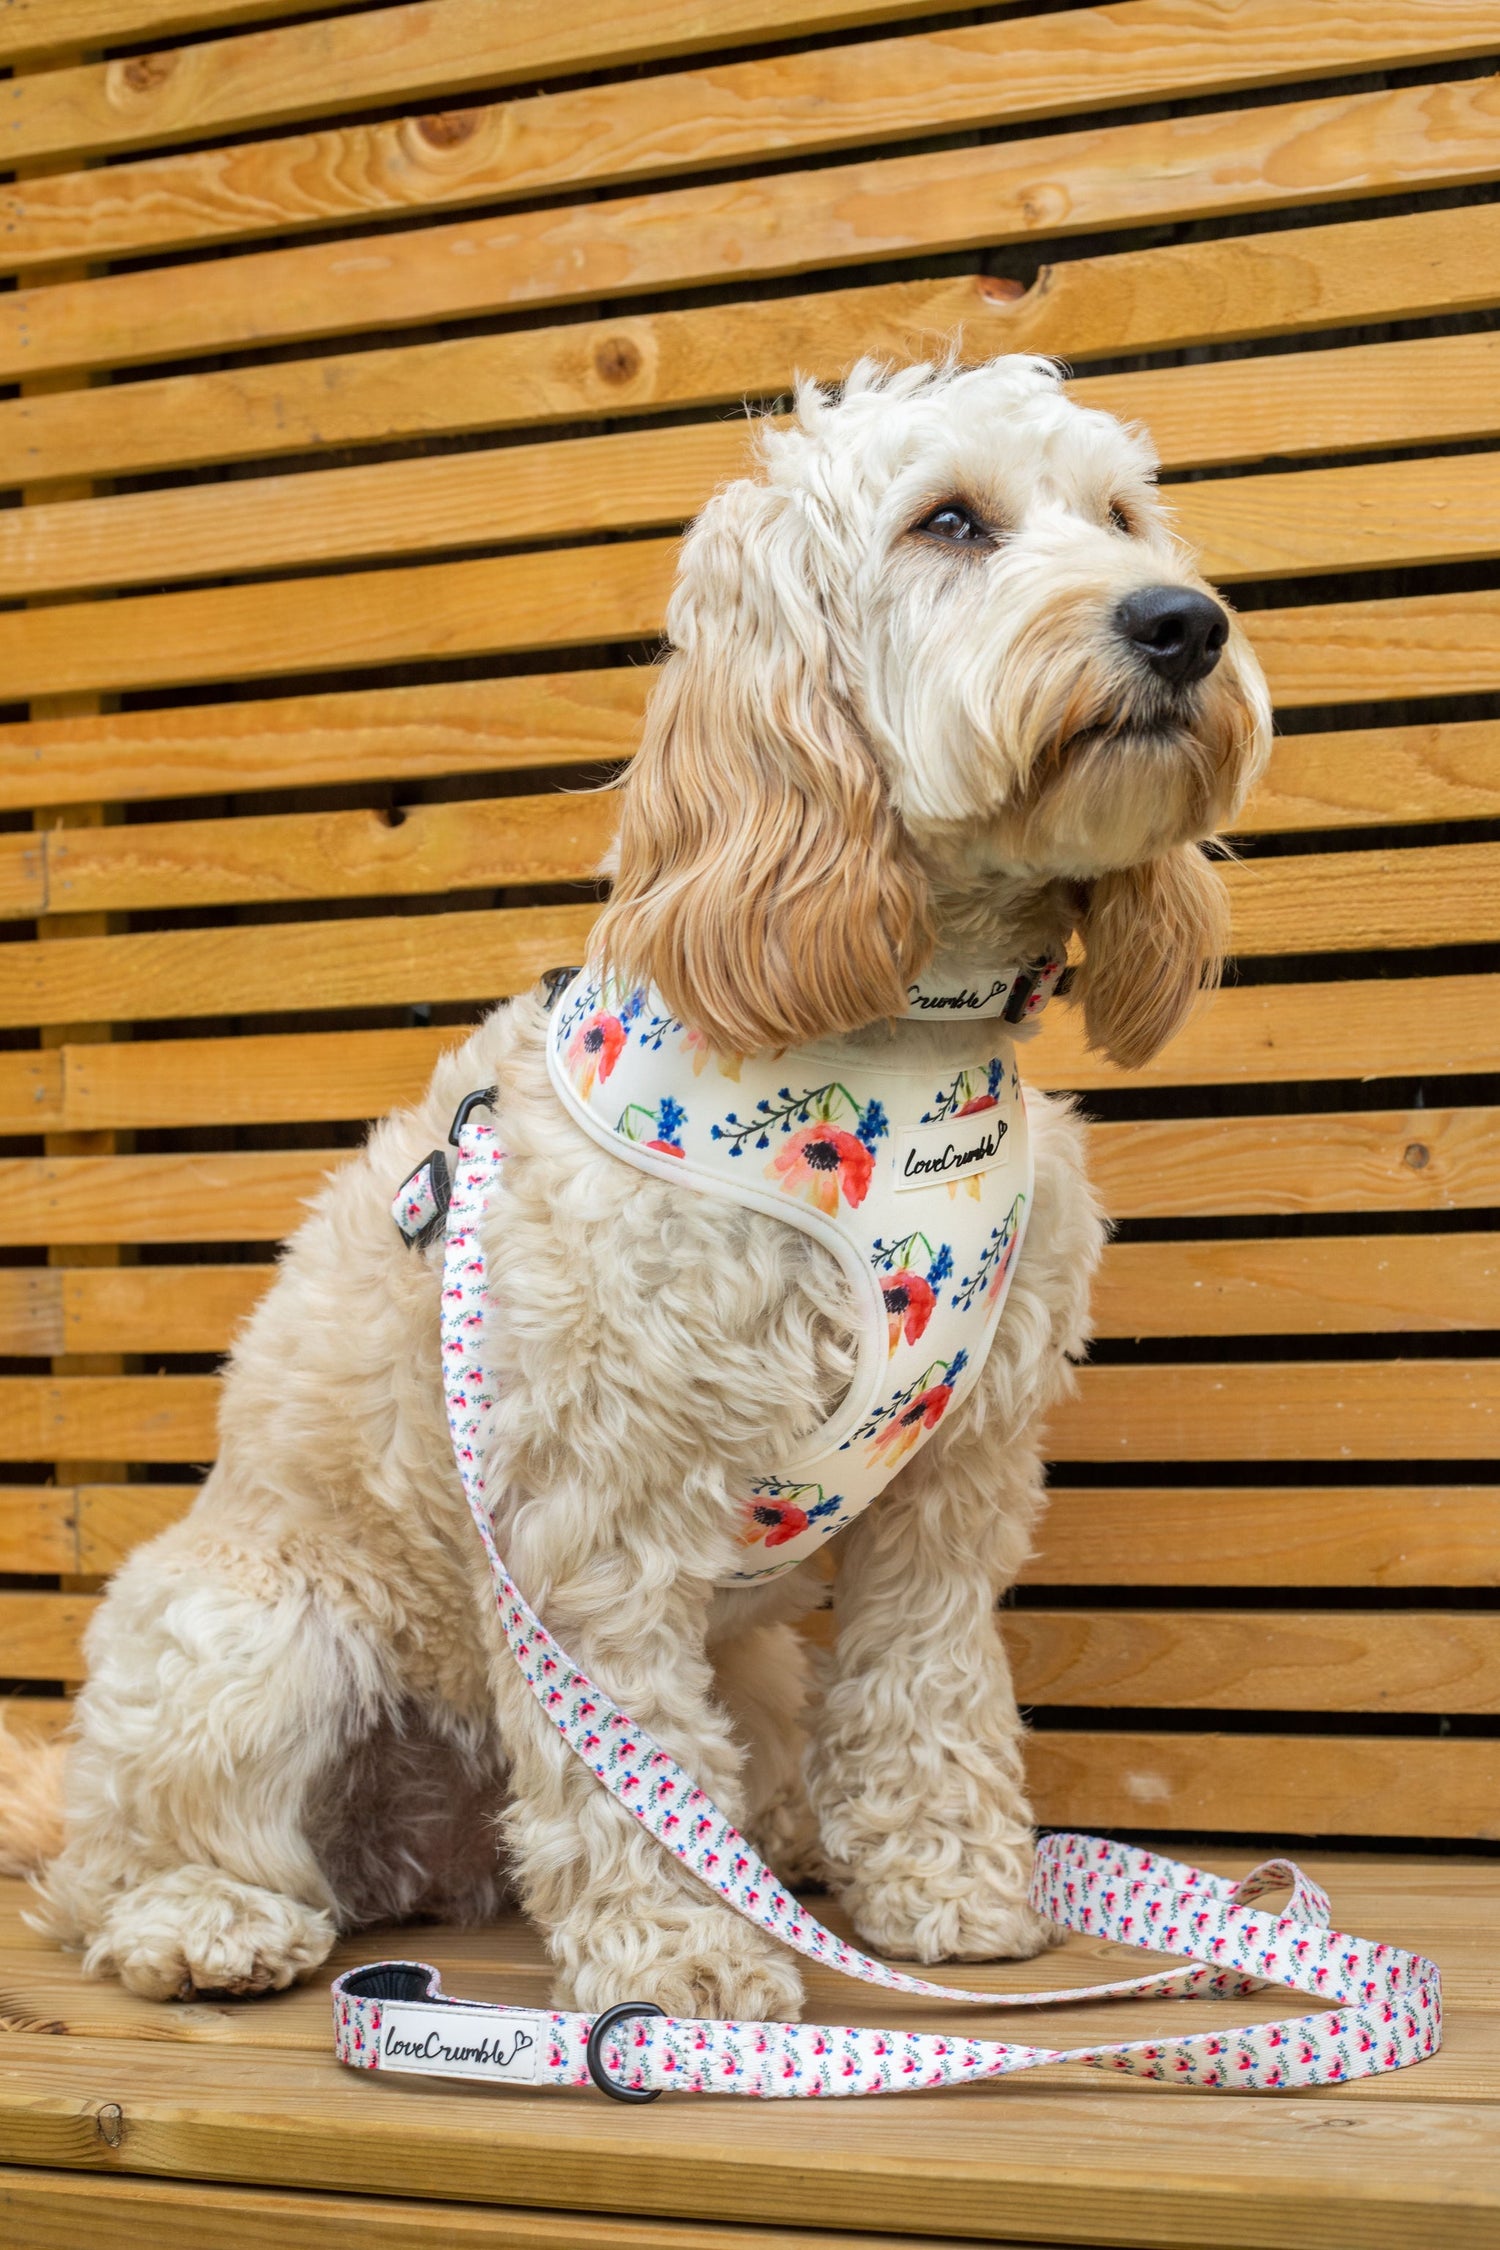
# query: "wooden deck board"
248 2092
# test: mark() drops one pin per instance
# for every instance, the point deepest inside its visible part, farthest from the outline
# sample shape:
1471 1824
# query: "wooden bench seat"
235 2096
359 366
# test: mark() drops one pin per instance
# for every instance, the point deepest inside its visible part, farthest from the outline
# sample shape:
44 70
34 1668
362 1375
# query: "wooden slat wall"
356 402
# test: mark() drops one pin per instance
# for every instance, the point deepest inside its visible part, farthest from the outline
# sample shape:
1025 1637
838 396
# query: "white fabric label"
956 997
952 1150
461 2042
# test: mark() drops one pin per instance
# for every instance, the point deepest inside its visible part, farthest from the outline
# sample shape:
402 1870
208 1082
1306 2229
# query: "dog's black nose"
1180 634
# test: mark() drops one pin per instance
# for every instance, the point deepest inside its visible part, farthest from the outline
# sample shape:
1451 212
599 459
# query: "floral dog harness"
916 1175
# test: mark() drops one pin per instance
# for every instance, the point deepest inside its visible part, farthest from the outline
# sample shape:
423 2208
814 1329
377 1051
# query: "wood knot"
1000 289
1417 1156
144 72
617 360
109 2123
448 128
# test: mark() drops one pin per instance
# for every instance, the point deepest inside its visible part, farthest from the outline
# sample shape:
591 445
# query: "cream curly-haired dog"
943 680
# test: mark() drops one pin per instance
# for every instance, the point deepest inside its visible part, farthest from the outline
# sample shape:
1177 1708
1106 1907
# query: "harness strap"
1386 2003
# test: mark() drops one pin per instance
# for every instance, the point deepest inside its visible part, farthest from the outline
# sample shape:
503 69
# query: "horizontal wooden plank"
366 963
52 2210
1297 1785
346 1074
32 28
1360 518
38 1529
1307 903
976 76
1258 1660
1302 1410
532 601
368 617
113 1518
1267 1535
1364 652
255 1195
394 54
387 734
473 845
1318 902
42 1718
1340 1285
1370 1535
1308 277
1364 777
1396 1027
41 1635
49 1309
1334 1285
1241 2174
1404 1027
1366 1160
1311 1285
1420 511
110 1417
1342 1660
1114 176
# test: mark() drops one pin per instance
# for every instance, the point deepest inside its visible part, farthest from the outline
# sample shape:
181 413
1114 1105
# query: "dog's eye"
1120 519
956 526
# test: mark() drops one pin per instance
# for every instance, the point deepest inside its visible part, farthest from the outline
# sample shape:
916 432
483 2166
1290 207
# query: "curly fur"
299 1715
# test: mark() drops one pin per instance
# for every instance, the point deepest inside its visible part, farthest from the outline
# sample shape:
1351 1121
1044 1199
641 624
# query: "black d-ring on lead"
603 2026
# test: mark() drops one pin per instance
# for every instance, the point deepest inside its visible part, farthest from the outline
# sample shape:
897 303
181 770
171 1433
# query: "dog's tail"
31 1801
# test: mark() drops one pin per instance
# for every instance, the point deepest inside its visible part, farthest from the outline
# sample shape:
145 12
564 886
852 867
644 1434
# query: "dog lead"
1386 2004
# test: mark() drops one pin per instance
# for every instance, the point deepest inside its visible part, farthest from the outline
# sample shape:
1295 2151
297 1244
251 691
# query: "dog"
941 685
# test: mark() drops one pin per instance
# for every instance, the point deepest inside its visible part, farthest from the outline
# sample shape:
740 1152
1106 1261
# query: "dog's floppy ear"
1154 938
762 882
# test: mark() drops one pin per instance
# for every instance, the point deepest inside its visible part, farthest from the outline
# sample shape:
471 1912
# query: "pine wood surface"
58 2211
1320 276
1433 1026
1213 1659
1218 165
1372 1535
56 29
1337 1285
391 54
1330 1410
559 598
1313 520
1308 903
248 2092
1361 1160
689 120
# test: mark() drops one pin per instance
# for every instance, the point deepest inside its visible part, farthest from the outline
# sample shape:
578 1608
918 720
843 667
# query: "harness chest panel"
915 1175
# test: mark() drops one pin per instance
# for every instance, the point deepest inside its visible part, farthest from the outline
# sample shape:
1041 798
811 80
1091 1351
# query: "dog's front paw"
707 1962
986 1921
196 1930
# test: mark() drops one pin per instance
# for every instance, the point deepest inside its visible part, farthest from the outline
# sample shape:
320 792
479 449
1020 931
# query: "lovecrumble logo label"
461 2043
956 1149
960 1000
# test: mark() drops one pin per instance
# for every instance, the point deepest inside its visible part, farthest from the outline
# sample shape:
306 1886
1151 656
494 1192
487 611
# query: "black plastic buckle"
483 1099
603 2026
1020 992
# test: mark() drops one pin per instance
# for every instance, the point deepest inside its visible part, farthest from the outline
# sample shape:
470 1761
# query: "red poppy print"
773 1521
903 1430
976 1103
822 1161
594 1049
909 1301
